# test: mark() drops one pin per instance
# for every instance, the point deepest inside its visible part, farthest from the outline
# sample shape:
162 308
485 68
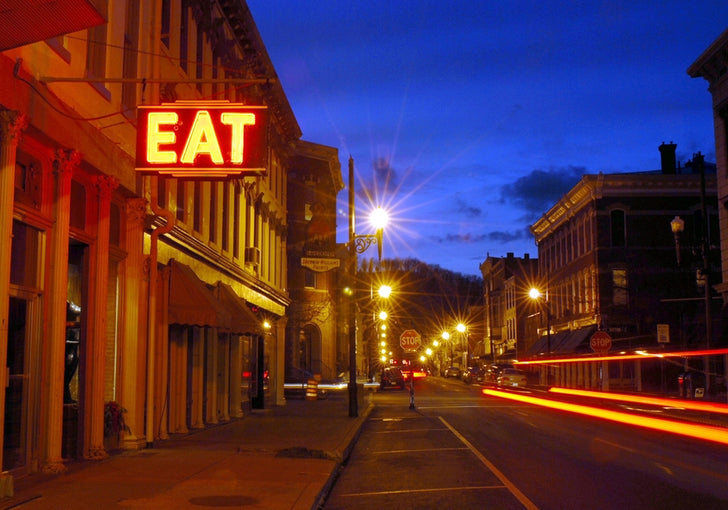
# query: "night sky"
468 120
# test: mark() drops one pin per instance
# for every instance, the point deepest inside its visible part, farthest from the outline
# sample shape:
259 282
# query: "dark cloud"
469 210
467 238
538 191
507 237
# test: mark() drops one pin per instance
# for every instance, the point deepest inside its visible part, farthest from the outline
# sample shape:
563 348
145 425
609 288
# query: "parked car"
512 378
493 371
392 377
473 375
453 372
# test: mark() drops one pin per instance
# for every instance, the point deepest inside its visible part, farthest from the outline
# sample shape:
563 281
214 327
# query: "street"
461 449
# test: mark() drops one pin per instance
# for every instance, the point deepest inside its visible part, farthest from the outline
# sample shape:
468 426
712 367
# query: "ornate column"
11 126
96 358
134 331
66 161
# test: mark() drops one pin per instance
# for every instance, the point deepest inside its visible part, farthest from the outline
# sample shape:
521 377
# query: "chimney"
667 157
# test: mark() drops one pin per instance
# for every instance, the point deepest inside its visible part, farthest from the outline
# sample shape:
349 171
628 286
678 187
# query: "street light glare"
460 327
383 316
445 335
534 293
384 291
379 218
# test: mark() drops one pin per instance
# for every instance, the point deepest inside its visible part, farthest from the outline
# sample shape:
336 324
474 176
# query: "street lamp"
358 244
536 295
677 225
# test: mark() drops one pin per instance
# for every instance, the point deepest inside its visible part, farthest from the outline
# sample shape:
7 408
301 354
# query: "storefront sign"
320 265
209 140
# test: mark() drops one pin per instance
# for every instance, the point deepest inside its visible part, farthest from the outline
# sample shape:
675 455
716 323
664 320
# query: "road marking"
661 461
407 431
512 488
411 491
419 450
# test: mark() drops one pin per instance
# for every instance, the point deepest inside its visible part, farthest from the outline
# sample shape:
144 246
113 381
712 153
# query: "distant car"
453 372
392 377
512 378
492 372
473 375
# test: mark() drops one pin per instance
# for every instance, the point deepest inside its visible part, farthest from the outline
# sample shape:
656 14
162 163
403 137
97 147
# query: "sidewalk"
285 457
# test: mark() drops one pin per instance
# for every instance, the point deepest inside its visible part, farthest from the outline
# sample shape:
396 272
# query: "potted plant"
113 423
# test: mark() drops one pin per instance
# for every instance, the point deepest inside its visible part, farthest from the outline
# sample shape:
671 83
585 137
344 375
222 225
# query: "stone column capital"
12 125
136 210
105 185
68 160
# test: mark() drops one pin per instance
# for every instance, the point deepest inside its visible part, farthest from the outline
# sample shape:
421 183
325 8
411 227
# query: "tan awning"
191 302
242 320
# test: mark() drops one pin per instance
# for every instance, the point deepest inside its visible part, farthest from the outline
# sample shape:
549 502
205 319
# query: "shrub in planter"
114 419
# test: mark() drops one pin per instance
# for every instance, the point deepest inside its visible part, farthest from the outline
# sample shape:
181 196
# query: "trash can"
312 389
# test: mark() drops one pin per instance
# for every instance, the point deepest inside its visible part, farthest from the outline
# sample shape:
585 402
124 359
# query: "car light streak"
624 356
693 430
710 407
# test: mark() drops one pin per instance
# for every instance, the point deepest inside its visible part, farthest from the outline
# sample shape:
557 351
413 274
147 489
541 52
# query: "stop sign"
410 340
601 341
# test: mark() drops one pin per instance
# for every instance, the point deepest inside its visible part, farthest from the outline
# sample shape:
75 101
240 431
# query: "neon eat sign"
212 139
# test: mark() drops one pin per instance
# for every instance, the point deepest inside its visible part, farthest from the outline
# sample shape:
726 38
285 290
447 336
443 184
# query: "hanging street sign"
202 139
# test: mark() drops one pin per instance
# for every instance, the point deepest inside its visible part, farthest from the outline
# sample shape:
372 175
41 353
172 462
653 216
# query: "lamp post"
462 328
677 225
536 295
358 244
446 336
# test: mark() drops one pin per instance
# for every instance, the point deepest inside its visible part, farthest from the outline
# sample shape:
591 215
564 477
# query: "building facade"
506 281
313 266
712 65
166 296
608 260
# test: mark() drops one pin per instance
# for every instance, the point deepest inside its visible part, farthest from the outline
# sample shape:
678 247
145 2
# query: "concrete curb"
350 442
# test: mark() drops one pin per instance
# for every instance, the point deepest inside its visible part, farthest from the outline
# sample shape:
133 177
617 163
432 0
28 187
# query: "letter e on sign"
203 139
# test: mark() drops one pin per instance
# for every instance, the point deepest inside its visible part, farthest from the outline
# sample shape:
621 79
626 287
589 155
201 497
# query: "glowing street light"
358 244
536 295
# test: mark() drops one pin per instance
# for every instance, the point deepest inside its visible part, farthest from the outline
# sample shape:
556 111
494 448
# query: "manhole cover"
232 500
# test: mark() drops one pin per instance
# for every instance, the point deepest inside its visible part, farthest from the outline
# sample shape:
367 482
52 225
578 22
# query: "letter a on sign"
208 139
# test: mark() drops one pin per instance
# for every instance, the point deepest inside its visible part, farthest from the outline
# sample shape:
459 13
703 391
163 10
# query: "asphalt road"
460 449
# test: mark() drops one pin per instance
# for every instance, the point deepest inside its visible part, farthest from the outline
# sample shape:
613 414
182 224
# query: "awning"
242 320
191 303
23 22
564 342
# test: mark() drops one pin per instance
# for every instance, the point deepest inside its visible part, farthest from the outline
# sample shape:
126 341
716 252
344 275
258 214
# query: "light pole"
358 244
677 225
536 295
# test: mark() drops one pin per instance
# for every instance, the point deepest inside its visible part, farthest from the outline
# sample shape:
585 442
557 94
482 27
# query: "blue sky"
468 120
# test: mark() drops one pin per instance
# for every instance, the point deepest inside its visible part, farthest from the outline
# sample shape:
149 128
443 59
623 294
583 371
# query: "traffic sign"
410 340
601 342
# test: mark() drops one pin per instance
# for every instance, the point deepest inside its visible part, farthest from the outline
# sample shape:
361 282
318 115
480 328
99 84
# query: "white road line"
411 491
381 452
512 488
407 431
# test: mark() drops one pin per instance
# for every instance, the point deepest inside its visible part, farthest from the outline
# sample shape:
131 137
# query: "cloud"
469 210
507 237
536 192
467 238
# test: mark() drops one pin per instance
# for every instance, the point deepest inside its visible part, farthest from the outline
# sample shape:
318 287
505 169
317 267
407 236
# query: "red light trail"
693 430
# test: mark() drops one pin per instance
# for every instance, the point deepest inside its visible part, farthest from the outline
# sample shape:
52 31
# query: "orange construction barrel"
312 389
